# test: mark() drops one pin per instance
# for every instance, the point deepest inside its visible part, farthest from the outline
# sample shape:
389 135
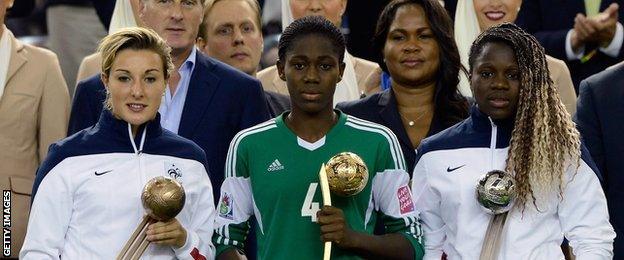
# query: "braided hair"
544 140
311 25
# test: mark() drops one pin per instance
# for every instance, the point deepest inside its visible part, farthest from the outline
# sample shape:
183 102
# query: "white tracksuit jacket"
88 193
443 185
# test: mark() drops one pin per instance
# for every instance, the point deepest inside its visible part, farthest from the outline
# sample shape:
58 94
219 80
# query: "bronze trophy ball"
163 198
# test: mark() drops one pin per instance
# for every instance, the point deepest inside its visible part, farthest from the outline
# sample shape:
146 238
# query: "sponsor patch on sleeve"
226 206
405 200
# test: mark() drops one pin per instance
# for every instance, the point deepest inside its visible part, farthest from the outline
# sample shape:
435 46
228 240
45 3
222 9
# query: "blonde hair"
134 38
544 140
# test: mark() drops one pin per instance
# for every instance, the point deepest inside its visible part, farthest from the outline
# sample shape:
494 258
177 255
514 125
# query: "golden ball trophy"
345 175
162 198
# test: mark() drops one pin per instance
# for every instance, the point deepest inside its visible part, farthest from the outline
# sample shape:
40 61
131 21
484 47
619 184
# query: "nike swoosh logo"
449 169
102 173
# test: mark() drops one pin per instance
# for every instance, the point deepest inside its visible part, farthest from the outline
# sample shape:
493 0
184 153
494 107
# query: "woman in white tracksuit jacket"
87 193
518 125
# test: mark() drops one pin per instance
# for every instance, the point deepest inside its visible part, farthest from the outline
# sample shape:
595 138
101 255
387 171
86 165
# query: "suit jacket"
220 102
600 117
382 108
33 114
550 20
92 64
271 81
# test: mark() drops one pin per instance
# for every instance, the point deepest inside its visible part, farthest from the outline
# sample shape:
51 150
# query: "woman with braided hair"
518 126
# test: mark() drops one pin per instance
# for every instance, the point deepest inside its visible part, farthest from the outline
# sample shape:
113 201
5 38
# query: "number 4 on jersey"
310 208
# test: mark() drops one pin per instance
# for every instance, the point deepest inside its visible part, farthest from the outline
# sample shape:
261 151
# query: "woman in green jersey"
272 168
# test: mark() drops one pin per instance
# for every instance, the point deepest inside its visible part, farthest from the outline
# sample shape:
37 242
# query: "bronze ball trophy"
345 175
162 198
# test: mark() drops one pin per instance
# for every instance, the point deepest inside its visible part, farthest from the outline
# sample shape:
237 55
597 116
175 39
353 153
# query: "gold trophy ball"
163 198
347 174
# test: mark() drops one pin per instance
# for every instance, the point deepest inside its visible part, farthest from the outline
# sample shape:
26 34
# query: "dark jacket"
382 108
600 119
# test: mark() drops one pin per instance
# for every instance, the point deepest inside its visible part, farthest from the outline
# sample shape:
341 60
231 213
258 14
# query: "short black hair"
311 25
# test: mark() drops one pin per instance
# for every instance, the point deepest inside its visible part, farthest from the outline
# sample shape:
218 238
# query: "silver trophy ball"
496 192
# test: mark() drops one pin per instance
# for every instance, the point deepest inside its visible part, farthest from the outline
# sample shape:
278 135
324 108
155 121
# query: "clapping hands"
599 29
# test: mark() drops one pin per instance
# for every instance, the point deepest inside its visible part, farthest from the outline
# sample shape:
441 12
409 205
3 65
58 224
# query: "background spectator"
599 118
575 31
34 108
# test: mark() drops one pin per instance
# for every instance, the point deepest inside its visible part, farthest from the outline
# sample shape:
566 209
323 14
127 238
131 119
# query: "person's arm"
53 109
334 228
235 205
427 202
588 124
50 213
192 241
583 213
393 201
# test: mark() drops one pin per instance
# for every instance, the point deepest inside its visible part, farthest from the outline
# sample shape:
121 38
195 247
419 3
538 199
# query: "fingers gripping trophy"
496 193
345 175
162 198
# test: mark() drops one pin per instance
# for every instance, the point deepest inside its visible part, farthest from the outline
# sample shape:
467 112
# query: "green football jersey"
273 175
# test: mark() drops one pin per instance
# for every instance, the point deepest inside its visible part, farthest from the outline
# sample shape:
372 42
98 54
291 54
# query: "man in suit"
577 32
34 107
599 117
206 101
231 33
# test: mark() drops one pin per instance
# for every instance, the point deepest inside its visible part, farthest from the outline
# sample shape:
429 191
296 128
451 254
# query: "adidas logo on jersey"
275 166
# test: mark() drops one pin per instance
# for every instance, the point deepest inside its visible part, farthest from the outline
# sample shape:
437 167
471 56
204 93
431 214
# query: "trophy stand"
345 175
136 245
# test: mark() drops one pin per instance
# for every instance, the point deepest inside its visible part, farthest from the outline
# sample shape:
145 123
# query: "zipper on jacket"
493 144
138 152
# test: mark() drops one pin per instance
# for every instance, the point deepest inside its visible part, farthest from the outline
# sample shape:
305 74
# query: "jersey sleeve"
235 205
427 202
392 197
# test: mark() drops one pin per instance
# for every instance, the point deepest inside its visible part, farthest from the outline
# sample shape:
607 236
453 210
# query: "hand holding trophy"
345 174
162 198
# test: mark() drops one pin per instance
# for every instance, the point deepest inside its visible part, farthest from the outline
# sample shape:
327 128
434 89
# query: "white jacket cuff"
616 43
571 55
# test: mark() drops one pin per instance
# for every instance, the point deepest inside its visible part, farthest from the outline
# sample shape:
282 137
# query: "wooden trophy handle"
137 243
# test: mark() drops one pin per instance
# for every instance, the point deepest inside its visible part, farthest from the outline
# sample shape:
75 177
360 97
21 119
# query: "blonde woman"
87 193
